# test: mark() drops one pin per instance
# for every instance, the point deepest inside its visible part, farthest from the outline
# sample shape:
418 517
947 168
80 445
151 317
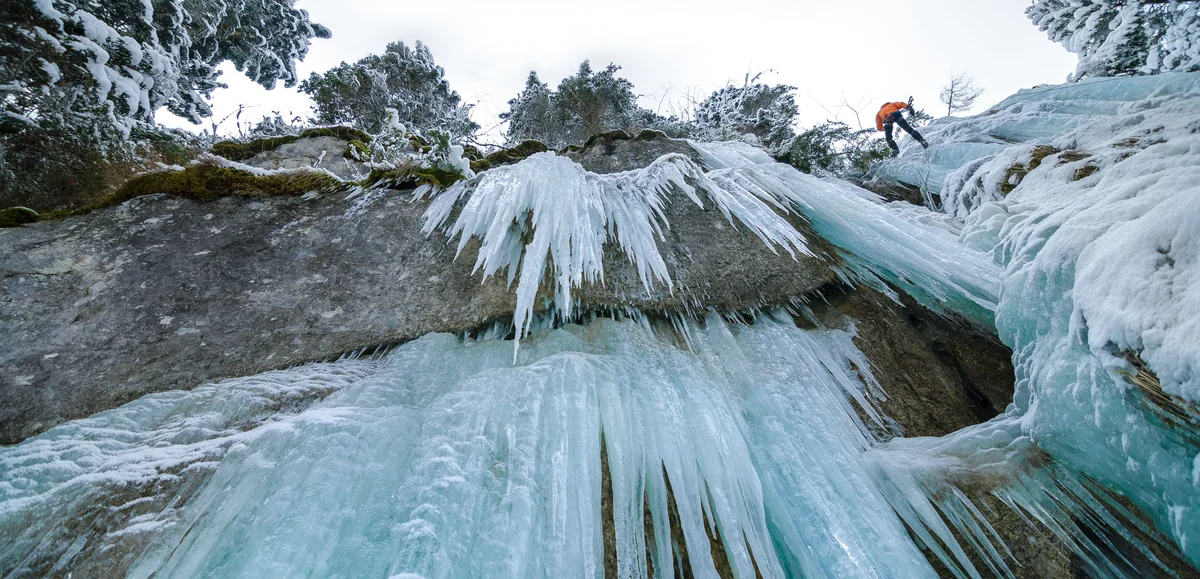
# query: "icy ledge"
549 212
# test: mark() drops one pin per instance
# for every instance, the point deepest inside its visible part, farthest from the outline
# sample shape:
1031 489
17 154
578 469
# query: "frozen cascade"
446 459
452 456
877 240
570 213
1101 301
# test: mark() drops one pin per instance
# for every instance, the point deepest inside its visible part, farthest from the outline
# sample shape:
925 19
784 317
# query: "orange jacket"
886 111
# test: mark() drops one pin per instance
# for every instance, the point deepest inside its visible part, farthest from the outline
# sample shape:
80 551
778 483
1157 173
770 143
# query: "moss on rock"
437 176
509 156
419 144
204 182
17 216
242 150
357 151
208 182
343 133
1084 172
410 177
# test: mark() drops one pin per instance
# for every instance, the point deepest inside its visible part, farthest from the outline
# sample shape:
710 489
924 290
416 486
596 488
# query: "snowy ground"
454 457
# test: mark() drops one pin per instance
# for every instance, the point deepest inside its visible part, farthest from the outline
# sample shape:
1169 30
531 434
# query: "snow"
456 161
1099 246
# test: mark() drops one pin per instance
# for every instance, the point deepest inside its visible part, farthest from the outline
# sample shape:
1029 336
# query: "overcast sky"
865 51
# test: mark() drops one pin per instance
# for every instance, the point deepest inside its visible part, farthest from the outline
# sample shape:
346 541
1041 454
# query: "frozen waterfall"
735 449
446 459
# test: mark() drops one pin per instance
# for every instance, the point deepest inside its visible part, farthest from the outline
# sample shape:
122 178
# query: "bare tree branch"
960 94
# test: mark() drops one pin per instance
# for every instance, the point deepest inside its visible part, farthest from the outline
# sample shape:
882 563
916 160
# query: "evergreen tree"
767 112
1123 37
67 61
402 78
592 103
833 148
531 114
78 76
585 104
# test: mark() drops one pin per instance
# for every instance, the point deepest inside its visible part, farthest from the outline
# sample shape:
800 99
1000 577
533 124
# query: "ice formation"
571 213
1100 301
453 457
446 459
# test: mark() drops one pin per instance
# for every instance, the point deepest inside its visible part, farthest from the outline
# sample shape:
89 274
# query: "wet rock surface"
939 375
891 190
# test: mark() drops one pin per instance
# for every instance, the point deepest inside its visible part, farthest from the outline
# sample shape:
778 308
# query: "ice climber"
893 113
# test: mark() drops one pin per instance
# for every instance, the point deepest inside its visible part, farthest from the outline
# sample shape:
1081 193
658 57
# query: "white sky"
867 51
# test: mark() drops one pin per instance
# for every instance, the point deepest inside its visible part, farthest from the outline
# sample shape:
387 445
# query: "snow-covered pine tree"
78 76
833 148
531 114
1123 37
402 78
65 61
1178 48
585 104
767 112
591 103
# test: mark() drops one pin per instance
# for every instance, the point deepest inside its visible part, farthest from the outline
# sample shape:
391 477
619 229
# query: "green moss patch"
17 216
509 156
419 144
357 151
436 176
410 177
343 133
242 150
204 182
472 153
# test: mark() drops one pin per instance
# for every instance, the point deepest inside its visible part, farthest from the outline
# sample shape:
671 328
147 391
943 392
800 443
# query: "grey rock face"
320 152
163 293
613 155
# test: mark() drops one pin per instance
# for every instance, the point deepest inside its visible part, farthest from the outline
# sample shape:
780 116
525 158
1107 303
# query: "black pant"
898 118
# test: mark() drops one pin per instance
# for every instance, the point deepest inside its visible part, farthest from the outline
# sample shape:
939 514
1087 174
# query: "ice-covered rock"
1087 194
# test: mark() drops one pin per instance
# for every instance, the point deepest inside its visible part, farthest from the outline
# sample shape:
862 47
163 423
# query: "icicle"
549 209
446 460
